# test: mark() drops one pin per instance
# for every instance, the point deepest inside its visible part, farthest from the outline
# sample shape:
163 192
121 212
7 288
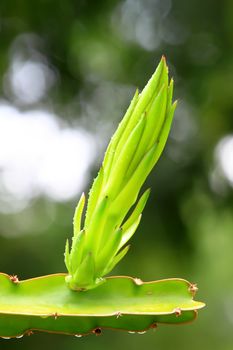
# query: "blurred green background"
68 70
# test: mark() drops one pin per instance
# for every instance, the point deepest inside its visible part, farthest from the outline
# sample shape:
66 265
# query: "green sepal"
76 253
96 224
128 233
110 153
170 93
150 91
165 132
158 110
144 100
67 255
105 235
137 210
127 152
128 195
155 115
109 251
110 266
78 215
83 276
94 196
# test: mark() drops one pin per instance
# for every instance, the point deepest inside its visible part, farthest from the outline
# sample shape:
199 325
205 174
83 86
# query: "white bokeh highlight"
29 80
224 157
40 156
221 173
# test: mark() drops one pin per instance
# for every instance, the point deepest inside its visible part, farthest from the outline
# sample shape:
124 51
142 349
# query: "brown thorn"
97 331
177 312
55 315
14 279
193 288
154 325
29 332
138 281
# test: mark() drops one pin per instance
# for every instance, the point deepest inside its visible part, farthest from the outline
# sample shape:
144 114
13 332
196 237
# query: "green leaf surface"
46 304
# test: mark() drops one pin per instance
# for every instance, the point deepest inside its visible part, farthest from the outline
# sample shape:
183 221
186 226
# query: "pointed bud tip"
164 59
164 63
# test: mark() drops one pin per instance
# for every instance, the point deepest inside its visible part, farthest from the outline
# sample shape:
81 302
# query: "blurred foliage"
99 52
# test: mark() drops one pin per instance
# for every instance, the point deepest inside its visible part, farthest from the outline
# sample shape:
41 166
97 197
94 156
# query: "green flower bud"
131 154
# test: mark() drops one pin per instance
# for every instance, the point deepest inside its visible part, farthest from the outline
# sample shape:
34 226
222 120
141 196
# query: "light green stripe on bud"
78 214
111 224
97 222
133 151
144 101
76 253
115 220
127 153
111 150
155 117
129 193
165 132
94 195
157 109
